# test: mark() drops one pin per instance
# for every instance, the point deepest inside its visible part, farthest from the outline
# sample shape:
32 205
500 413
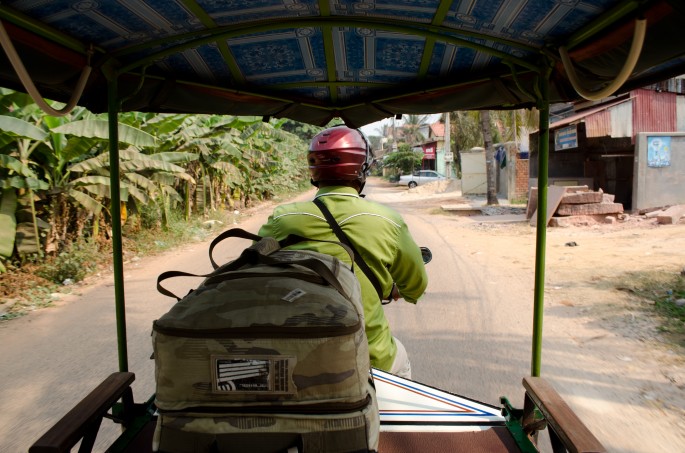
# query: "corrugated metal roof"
584 114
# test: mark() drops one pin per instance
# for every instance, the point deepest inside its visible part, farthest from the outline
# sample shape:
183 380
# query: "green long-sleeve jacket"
382 239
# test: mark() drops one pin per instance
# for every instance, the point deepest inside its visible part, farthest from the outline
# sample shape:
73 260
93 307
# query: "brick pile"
575 205
668 215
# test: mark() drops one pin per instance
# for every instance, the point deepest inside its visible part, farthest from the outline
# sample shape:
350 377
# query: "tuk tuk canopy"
314 60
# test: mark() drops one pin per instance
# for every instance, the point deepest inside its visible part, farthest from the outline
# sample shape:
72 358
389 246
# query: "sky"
372 129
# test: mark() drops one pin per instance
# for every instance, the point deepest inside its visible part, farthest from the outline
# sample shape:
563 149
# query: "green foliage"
8 222
172 163
74 263
412 128
96 128
405 160
303 130
466 129
150 215
663 289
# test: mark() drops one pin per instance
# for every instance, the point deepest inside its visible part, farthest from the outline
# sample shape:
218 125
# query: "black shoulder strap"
258 253
342 237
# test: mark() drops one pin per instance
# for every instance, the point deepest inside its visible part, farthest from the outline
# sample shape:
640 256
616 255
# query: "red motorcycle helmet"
339 154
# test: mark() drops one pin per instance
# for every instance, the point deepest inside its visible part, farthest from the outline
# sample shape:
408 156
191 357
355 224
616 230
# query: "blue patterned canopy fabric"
313 60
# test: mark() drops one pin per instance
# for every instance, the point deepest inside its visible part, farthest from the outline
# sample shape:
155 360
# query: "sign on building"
429 151
566 138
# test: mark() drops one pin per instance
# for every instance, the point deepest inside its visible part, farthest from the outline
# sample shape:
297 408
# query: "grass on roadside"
665 293
30 285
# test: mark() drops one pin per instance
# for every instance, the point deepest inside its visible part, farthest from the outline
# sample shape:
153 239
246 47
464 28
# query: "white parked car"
420 177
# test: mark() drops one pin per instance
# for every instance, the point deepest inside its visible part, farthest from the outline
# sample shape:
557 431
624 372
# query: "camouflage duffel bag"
267 354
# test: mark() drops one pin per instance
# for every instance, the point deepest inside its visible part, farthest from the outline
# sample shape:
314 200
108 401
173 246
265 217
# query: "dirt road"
470 334
601 350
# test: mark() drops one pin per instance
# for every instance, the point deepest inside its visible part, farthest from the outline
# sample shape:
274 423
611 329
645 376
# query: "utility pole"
394 137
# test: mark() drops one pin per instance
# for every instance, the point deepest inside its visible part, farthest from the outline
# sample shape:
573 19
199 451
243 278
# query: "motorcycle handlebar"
427 256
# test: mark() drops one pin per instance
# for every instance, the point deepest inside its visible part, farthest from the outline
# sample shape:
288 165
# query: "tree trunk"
490 167
186 199
454 126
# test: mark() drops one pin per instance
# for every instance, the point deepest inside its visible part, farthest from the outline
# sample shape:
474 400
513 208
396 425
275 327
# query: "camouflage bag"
268 353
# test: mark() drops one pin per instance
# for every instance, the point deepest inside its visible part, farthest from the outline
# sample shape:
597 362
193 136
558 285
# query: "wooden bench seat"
83 421
567 432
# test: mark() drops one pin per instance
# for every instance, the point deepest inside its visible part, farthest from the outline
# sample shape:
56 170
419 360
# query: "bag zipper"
259 331
305 409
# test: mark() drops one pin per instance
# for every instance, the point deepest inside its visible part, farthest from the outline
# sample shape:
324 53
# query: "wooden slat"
75 424
560 418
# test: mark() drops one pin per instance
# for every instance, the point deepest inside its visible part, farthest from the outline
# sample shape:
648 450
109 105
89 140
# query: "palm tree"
412 129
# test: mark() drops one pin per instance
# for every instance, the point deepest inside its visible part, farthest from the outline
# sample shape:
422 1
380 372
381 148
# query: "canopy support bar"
117 249
30 87
541 228
624 73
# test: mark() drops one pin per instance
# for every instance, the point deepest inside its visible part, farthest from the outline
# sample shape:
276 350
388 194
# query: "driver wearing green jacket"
338 162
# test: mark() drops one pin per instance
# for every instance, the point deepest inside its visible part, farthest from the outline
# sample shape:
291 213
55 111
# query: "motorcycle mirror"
426 254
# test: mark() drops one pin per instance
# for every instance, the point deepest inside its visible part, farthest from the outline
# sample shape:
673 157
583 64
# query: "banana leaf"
14 182
141 181
27 242
8 222
171 193
172 157
94 163
15 165
87 202
21 128
100 129
138 194
164 124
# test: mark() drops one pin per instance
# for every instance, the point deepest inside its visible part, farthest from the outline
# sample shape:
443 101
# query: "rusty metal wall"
654 111
598 124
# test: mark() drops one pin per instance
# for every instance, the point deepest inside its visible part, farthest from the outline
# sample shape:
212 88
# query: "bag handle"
170 274
258 253
254 256
289 240
232 233
342 237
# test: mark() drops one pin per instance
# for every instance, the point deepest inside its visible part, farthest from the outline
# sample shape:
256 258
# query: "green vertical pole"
541 229
117 251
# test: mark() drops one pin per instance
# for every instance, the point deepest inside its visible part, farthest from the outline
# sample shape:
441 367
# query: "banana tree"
18 176
144 176
276 157
8 224
220 167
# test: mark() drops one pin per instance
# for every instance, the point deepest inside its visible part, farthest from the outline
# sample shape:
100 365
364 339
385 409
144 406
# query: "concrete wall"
507 176
658 182
473 175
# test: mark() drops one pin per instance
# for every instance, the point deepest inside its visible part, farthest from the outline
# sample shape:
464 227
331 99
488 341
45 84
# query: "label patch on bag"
261 374
293 295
